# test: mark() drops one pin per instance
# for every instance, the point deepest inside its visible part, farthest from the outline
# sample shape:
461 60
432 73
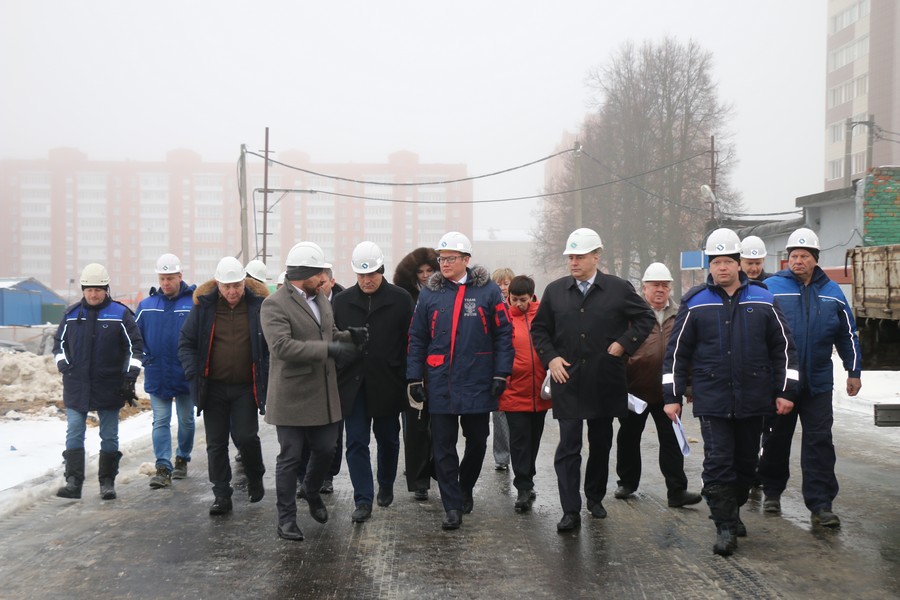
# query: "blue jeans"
76 424
359 462
162 432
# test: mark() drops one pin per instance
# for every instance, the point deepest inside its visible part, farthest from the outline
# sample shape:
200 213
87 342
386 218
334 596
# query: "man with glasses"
461 337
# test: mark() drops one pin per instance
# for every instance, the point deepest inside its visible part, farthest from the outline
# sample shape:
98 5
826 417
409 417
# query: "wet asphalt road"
163 544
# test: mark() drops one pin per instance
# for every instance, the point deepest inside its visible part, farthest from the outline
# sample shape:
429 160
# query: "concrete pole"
242 191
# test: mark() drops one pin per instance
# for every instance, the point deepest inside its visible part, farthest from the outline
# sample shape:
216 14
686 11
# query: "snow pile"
27 377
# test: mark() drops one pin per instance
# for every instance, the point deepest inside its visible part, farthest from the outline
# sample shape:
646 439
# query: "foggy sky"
490 84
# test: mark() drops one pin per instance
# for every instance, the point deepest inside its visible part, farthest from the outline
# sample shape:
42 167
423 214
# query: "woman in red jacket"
525 409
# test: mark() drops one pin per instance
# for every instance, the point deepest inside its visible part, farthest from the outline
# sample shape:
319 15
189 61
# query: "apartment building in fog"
67 210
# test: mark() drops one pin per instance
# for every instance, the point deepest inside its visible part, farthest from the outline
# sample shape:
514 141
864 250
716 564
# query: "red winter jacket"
523 393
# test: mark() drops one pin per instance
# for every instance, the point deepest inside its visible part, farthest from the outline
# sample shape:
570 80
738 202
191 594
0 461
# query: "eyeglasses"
448 260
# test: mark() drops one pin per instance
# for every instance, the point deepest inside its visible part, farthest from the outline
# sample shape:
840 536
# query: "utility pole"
242 191
870 141
848 149
265 199
712 170
577 165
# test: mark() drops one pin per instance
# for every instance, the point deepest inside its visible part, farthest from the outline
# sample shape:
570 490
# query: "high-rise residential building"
66 211
862 84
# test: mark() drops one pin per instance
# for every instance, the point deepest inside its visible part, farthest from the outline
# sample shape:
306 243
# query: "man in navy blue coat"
461 336
733 346
821 319
160 317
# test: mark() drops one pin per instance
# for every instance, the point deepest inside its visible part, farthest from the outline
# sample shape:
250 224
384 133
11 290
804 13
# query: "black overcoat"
382 364
580 328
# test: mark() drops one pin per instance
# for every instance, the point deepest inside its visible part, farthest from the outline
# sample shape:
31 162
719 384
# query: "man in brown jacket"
644 371
303 400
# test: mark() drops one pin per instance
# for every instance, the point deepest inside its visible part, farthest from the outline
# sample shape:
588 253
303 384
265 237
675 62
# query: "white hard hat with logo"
168 264
753 247
257 270
803 238
229 270
306 254
582 241
94 275
367 257
723 242
454 240
657 272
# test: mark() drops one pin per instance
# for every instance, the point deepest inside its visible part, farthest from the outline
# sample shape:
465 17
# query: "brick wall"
882 206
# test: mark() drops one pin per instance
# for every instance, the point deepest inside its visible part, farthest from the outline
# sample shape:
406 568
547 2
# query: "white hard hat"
582 241
281 277
454 240
306 254
803 238
168 264
657 272
229 270
94 275
753 247
723 242
257 270
367 258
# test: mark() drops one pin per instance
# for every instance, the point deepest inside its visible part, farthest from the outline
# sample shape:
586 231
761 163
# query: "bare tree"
645 156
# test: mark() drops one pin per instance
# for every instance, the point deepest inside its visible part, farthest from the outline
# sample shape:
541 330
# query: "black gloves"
341 352
415 392
498 385
127 392
359 335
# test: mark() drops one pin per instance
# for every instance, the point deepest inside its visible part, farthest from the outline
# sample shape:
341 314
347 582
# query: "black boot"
106 473
74 474
723 509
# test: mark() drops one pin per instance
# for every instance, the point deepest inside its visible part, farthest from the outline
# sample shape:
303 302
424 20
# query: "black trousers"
525 431
457 478
231 409
321 441
335 466
628 450
730 450
568 461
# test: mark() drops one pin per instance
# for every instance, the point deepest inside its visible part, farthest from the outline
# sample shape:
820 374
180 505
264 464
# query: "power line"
423 183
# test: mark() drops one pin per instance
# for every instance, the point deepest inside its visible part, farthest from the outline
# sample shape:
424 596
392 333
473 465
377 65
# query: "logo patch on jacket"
469 307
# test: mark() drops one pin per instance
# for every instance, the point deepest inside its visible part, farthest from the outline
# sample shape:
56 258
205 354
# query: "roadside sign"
694 260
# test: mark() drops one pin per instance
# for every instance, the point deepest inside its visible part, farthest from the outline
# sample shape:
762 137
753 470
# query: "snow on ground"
31 443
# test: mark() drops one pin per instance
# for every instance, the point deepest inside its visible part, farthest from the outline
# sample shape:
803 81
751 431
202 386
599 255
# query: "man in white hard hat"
257 270
732 344
821 319
304 404
99 351
460 354
753 258
644 370
587 323
160 317
373 386
226 361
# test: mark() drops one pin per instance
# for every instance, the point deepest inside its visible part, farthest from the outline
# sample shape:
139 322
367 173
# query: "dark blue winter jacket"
736 352
820 319
461 336
160 319
96 348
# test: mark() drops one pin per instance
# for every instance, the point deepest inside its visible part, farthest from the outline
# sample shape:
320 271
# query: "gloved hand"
359 335
498 385
127 392
415 391
341 352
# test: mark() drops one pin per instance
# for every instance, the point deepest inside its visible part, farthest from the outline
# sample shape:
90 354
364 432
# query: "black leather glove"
359 335
498 385
127 392
415 392
341 352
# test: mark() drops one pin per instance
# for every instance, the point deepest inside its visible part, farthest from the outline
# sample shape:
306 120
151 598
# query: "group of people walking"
445 346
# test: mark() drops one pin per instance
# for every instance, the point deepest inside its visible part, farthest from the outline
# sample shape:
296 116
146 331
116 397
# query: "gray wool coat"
303 387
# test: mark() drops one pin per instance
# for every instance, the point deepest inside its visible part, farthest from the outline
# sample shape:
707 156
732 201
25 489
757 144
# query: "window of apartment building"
849 15
91 180
35 179
859 162
836 168
848 53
